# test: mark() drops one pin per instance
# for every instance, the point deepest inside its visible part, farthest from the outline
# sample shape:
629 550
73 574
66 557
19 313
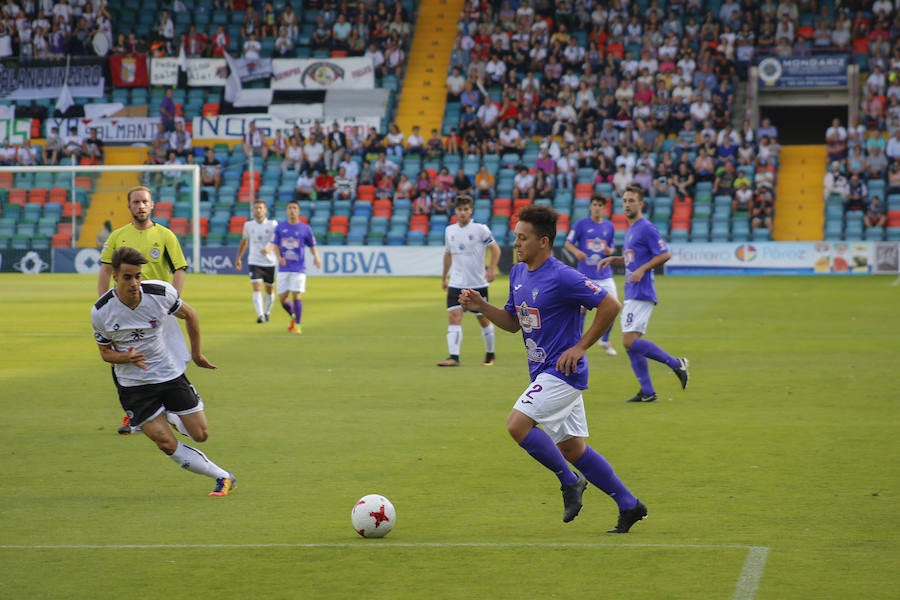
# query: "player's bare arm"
317 260
192 324
474 302
106 271
605 314
118 357
609 261
651 264
178 278
491 273
240 252
578 254
448 260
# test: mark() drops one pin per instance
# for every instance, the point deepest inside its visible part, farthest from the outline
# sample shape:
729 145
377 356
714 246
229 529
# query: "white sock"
268 301
258 303
454 339
178 423
488 334
195 461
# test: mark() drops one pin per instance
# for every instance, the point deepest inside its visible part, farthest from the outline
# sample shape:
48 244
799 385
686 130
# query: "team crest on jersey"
154 254
529 318
535 352
596 245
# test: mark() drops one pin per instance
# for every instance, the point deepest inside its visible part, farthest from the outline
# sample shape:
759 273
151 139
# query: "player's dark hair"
139 188
599 198
127 256
635 188
464 200
542 218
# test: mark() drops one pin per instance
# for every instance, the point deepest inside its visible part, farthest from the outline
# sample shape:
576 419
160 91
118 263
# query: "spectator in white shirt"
73 145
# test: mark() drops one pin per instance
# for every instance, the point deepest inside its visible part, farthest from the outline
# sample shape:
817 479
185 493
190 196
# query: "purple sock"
605 337
542 449
287 308
641 371
298 310
598 471
654 352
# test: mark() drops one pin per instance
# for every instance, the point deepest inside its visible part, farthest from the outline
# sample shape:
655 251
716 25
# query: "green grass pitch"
773 476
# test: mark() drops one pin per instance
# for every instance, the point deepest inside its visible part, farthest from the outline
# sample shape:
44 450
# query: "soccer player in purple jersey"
292 238
644 250
590 240
545 300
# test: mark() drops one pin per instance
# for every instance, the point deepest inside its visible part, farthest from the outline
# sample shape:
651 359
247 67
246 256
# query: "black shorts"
144 402
453 296
264 274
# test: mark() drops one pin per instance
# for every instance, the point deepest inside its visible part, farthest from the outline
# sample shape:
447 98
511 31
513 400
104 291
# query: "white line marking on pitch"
751 573
747 583
365 544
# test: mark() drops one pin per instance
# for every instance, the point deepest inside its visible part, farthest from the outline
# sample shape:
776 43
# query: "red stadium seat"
236 224
37 196
58 195
17 196
584 190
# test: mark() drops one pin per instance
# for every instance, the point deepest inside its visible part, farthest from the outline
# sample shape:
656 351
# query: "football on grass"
373 516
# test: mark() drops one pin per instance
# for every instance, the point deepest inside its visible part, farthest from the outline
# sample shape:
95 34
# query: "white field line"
366 544
751 573
747 583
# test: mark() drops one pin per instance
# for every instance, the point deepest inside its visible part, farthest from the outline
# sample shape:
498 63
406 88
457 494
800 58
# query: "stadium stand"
555 77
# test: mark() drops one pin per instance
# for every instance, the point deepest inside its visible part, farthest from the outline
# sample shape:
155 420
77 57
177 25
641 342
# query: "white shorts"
556 406
636 315
291 282
609 285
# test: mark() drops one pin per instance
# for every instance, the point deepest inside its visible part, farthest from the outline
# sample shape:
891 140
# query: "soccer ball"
373 516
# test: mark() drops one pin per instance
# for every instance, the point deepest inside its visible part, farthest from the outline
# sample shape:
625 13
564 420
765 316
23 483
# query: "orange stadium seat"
584 190
502 207
520 203
236 224
339 223
70 209
17 196
179 225
365 192
60 240
58 195
163 209
37 196
419 223
6 180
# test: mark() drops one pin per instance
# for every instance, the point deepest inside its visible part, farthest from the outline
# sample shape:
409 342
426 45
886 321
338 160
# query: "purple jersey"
547 302
593 239
642 243
293 241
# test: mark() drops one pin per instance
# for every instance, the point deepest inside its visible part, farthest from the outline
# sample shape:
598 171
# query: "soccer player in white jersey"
465 246
149 376
258 234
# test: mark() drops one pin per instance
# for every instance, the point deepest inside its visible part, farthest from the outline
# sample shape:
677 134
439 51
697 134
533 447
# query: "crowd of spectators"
864 167
54 28
634 90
